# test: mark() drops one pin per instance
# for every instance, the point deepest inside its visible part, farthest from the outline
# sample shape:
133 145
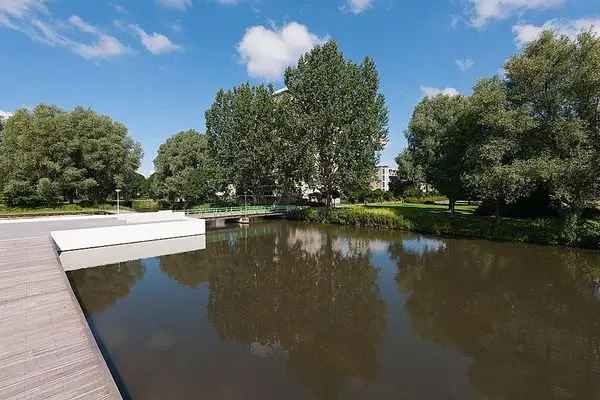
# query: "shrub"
145 205
20 194
47 192
424 199
549 231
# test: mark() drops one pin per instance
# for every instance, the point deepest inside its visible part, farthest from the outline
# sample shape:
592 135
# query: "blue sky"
155 65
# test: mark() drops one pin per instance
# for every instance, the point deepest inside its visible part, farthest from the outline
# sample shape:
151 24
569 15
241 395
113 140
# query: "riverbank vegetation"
436 219
526 144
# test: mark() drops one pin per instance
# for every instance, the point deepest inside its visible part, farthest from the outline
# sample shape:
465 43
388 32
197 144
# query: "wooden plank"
47 350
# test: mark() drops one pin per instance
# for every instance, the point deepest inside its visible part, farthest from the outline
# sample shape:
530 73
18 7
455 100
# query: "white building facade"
383 178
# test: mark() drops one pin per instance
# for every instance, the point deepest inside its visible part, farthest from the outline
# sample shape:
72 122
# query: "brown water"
284 310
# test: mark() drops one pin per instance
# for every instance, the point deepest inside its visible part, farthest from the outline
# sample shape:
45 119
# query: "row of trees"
537 130
324 133
49 155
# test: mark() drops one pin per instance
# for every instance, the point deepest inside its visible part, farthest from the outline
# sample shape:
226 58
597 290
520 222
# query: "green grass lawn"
436 219
64 209
416 208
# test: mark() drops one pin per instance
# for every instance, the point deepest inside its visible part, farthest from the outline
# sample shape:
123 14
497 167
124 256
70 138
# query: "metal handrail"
243 210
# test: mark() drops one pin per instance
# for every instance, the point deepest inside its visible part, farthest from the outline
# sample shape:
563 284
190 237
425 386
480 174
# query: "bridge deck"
238 212
47 350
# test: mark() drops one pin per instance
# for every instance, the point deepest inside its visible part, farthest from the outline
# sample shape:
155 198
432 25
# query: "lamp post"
118 191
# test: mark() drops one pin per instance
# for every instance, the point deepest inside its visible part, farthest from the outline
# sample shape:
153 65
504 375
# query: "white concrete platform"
78 239
87 258
138 218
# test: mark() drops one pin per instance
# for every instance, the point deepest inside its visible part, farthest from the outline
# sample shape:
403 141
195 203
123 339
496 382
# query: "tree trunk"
452 205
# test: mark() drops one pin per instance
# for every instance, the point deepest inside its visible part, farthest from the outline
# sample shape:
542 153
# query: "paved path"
46 348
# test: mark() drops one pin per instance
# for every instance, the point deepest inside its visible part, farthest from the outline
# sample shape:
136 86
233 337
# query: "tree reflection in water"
306 295
526 315
99 288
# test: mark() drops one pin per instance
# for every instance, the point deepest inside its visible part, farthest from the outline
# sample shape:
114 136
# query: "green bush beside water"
436 220
145 205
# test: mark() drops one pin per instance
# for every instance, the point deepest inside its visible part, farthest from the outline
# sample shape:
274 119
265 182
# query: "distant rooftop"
280 91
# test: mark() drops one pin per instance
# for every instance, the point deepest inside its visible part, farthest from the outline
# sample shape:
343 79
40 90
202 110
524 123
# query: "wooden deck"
47 350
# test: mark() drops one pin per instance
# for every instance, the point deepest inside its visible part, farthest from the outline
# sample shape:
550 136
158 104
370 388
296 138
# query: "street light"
118 191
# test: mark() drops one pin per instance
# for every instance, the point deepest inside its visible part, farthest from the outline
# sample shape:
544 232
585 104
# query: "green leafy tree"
71 149
47 191
494 169
409 175
242 134
135 187
556 80
184 171
20 193
339 110
438 137
3 160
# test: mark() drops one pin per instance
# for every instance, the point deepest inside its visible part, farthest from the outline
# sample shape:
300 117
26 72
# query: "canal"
285 310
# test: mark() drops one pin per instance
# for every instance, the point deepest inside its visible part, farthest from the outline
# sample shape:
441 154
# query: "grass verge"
435 219
65 209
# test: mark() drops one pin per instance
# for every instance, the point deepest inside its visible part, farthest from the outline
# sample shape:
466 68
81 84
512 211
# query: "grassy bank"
65 209
435 219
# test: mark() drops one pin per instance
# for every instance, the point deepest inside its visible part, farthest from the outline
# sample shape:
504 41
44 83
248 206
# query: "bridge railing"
240 210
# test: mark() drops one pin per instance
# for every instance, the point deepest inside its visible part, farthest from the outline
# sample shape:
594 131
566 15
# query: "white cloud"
465 64
105 46
267 52
525 33
432 91
180 5
32 18
21 8
155 43
5 114
83 26
483 11
359 6
229 2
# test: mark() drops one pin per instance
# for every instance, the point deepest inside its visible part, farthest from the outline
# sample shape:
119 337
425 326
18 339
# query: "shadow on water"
92 281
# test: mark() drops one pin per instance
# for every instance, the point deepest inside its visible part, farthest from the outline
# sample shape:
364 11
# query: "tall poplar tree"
339 108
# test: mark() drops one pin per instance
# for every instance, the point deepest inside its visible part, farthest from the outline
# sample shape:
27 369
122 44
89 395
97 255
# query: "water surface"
282 310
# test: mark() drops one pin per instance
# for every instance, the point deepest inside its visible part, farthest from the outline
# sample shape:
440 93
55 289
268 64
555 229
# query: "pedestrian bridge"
240 211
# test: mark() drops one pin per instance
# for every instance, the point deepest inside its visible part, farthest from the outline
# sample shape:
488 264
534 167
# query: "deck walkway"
47 350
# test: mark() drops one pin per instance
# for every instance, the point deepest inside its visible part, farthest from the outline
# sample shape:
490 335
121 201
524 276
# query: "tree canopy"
242 131
324 133
183 170
437 141
48 153
338 106
536 129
